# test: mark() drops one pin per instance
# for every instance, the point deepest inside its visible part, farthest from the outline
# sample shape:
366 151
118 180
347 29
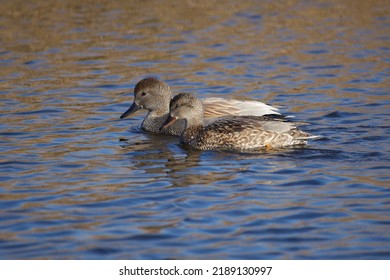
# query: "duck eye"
143 93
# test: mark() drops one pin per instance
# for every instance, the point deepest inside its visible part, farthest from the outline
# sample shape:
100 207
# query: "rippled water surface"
78 183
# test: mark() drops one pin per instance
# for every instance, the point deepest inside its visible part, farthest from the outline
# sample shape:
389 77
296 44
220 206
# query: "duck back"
245 133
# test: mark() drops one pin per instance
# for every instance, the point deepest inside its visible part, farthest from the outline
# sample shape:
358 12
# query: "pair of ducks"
215 123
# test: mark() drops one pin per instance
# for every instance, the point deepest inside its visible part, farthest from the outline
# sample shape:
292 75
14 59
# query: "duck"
235 133
154 95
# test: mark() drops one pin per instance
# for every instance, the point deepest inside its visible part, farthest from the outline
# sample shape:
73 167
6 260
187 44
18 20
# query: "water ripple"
78 183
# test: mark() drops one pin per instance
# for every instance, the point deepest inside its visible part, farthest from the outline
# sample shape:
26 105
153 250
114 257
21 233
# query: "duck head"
184 106
151 94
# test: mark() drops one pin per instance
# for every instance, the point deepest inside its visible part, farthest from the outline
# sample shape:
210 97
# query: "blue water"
78 183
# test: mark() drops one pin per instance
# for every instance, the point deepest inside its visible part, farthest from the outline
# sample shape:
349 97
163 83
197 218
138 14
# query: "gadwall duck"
232 132
154 95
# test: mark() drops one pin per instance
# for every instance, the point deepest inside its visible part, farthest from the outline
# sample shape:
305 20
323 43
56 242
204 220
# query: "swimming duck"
231 132
154 95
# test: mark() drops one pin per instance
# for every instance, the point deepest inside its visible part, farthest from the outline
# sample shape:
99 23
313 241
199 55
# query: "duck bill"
133 108
168 122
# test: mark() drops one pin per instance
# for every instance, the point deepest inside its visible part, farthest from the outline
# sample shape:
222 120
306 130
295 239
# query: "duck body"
243 133
232 132
155 95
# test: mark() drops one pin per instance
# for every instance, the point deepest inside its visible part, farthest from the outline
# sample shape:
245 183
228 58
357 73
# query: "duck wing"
233 124
215 107
273 124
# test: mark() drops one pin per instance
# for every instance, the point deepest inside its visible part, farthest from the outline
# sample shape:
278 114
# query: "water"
78 183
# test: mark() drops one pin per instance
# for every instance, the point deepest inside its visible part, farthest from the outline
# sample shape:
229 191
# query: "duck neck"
161 106
156 117
156 114
154 121
192 130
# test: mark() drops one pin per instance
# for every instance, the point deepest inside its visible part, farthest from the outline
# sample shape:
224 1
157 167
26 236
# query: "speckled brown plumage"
233 132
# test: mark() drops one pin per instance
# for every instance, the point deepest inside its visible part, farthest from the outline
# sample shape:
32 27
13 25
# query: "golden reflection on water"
63 65
61 45
118 34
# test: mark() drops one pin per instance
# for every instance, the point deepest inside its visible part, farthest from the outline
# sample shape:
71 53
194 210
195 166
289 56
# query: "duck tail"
310 137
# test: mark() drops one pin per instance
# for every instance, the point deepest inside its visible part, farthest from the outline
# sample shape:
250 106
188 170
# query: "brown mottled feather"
233 132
